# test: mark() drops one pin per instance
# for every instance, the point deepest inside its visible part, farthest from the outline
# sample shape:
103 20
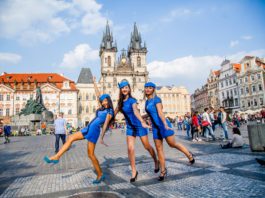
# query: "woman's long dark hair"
122 97
110 104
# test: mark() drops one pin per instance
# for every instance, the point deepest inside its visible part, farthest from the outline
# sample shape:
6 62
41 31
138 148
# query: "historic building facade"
201 99
130 66
176 100
212 88
87 102
251 80
228 86
59 93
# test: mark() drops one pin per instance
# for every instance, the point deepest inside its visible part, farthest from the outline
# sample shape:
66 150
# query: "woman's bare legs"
172 143
67 144
131 153
160 153
150 149
90 151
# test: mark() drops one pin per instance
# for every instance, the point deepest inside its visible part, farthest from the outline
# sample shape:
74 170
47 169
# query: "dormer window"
66 85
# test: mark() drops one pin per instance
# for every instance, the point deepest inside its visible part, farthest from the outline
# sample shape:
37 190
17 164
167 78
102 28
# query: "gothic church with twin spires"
129 65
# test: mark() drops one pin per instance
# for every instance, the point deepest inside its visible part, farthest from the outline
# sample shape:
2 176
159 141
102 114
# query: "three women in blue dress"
135 127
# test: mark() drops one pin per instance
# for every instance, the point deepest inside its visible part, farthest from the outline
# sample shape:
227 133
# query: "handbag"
205 123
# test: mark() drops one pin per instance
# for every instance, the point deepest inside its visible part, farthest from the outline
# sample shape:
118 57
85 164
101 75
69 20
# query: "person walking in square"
60 131
222 119
7 132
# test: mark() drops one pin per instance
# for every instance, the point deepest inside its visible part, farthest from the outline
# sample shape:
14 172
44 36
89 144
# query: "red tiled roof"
31 78
216 72
237 67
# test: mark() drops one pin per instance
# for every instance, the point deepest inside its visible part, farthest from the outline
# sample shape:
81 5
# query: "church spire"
136 40
107 40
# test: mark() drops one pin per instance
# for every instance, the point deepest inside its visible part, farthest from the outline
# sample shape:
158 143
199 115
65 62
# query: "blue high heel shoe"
97 181
47 160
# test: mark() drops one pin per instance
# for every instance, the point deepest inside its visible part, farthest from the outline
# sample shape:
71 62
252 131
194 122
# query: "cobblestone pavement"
216 173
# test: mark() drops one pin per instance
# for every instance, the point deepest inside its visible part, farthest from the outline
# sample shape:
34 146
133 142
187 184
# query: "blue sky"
185 39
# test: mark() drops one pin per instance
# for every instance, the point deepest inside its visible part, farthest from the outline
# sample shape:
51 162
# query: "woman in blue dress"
135 126
161 128
104 116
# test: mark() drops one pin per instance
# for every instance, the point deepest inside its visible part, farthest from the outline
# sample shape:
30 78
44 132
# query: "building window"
222 85
87 109
252 77
223 94
261 101
109 61
226 82
109 85
17 111
247 90
231 93
1 97
87 97
235 91
254 88
255 102
248 103
8 97
230 81
227 93
246 79
7 112
1 112
241 81
80 109
138 61
242 91
243 103
234 80
258 76
236 102
260 87
17 97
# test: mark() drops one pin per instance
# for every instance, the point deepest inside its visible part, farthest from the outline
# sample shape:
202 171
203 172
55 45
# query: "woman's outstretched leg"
66 146
160 154
172 143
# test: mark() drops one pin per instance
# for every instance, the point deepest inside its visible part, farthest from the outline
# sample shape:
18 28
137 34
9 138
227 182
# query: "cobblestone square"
216 173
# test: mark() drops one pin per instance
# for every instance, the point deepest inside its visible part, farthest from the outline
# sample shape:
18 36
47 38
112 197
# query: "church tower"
107 54
107 51
137 52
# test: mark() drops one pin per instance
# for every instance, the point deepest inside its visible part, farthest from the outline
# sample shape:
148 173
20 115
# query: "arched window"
138 61
80 109
87 109
109 61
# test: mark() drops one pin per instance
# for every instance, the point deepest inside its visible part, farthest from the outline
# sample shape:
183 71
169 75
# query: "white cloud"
79 57
9 58
180 13
234 43
33 21
188 65
247 37
192 71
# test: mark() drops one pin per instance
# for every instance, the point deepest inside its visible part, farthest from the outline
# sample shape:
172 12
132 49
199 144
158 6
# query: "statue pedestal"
32 122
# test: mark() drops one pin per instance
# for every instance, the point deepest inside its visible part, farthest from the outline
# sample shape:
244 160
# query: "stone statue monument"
34 106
